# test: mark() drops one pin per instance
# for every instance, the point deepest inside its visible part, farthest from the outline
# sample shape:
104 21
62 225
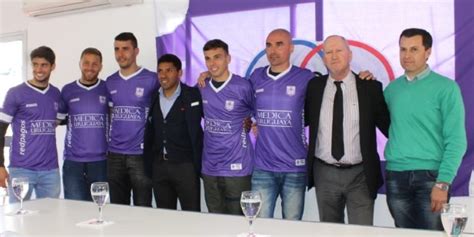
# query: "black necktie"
337 146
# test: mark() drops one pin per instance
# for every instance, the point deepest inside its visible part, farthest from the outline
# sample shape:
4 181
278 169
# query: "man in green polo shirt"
427 137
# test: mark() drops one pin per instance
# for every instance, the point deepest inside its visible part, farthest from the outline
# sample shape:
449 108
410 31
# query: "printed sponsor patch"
300 162
259 90
236 166
195 103
31 105
74 100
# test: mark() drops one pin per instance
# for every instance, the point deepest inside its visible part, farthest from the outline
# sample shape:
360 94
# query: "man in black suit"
173 139
342 112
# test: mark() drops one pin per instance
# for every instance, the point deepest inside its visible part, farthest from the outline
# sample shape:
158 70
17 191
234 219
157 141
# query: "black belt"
338 165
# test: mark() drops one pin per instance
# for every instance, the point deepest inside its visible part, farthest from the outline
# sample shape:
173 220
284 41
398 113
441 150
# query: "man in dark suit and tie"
342 112
173 139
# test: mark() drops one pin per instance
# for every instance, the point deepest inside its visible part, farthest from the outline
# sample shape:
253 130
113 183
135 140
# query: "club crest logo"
290 90
139 91
102 99
56 106
229 105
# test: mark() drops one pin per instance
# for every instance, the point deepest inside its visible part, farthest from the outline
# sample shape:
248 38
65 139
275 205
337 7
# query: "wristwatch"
442 186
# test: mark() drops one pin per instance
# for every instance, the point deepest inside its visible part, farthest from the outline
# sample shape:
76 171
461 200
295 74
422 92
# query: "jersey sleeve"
10 107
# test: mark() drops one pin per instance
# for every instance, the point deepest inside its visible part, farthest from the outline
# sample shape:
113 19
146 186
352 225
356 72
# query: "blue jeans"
289 186
45 183
78 177
409 199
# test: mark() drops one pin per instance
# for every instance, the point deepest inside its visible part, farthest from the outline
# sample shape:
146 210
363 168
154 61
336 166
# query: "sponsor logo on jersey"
74 100
31 105
274 118
236 166
300 162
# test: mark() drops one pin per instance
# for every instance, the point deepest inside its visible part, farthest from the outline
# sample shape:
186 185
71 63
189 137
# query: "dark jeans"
223 193
409 199
126 173
176 181
78 177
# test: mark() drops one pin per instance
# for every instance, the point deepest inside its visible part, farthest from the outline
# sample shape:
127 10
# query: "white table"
58 217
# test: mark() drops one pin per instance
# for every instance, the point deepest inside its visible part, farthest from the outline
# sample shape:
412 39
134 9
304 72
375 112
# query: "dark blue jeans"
409 199
78 177
126 173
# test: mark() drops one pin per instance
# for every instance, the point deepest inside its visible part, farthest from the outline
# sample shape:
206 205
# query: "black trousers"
126 173
222 194
173 181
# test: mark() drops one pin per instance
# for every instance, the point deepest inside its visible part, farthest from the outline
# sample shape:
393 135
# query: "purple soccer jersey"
227 147
32 113
281 141
87 108
130 100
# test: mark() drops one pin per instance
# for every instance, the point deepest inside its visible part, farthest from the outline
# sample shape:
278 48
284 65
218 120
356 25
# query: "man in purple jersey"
31 108
130 91
343 112
84 109
173 139
280 148
227 153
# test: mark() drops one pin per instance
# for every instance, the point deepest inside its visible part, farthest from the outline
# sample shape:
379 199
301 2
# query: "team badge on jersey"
56 106
290 90
102 99
229 105
139 92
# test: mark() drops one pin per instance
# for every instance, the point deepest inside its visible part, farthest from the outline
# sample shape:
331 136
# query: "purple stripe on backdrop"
209 7
464 43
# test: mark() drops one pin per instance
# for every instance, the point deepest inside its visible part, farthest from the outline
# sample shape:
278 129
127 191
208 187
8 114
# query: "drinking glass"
251 202
20 187
100 194
3 196
454 219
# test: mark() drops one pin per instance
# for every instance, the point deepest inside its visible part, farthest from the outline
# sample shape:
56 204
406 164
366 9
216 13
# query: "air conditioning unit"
59 7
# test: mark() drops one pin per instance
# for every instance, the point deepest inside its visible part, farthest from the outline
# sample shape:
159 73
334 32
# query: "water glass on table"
251 202
20 186
100 194
454 219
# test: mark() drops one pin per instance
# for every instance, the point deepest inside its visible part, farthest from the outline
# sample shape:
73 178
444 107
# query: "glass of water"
20 187
100 194
3 196
251 202
454 219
